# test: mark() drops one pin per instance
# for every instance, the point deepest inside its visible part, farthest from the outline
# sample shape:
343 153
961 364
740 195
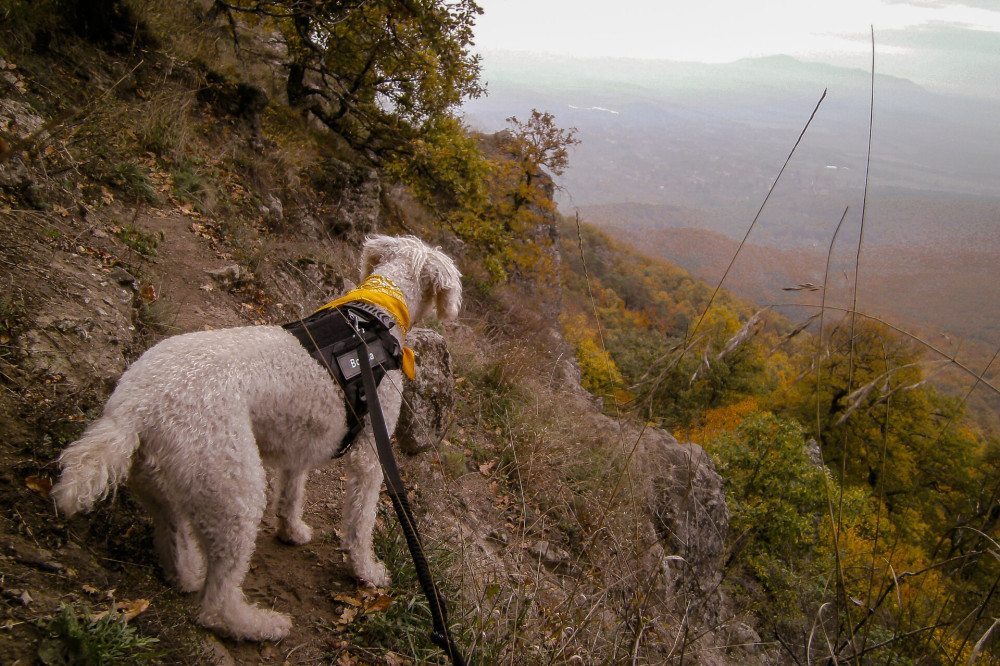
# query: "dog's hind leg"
290 491
178 551
364 478
226 519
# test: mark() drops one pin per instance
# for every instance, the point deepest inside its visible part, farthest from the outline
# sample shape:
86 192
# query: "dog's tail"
94 464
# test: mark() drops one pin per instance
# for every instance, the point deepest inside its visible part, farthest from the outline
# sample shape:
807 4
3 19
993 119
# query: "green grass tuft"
143 242
107 641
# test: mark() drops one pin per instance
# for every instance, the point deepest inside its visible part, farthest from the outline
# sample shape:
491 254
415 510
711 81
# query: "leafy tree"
645 306
777 497
377 72
882 426
495 193
599 374
539 146
520 214
774 489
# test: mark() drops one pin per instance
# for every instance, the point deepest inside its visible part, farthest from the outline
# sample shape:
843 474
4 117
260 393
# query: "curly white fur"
196 418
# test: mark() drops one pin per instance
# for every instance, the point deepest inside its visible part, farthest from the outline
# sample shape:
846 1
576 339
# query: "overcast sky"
937 43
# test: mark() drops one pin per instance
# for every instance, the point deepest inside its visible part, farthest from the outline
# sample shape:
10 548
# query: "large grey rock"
688 505
428 401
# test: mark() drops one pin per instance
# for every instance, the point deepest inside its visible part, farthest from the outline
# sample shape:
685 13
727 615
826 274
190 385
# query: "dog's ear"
445 281
449 302
376 250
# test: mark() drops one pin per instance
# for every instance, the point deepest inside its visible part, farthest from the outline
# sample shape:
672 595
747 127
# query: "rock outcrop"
687 502
429 399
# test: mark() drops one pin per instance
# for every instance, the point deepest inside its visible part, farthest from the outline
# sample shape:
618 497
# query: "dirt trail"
196 301
298 580
301 581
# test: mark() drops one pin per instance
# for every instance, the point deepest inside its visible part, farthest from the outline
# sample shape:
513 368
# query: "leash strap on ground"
397 493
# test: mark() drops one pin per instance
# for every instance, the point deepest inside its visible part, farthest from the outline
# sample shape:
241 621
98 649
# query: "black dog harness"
334 337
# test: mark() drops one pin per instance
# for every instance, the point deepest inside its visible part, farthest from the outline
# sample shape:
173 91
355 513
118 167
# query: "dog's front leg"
290 489
364 479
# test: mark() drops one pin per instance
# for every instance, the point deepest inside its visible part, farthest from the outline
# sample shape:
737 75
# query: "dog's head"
433 271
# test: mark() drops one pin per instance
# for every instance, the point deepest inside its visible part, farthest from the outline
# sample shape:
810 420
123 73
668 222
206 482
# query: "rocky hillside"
143 194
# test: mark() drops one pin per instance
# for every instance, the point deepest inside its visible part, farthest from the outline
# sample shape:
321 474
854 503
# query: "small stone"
122 276
226 276
275 209
499 536
550 554
216 652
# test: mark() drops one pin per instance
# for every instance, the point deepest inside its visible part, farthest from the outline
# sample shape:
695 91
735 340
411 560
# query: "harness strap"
441 636
331 337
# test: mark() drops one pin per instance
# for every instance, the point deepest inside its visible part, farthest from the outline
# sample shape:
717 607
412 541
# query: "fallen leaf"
147 293
347 599
347 616
378 604
129 609
40 485
393 659
486 468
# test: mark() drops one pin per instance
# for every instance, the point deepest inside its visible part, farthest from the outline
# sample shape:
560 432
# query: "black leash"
397 493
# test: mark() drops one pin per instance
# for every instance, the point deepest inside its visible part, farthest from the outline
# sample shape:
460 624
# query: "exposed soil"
44 560
181 275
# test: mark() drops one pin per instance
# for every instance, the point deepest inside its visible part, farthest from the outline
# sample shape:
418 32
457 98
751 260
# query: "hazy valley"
677 158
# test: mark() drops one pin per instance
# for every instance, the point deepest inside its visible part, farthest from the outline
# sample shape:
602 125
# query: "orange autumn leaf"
129 609
378 604
40 485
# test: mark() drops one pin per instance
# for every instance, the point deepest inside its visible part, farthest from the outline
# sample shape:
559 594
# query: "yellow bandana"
380 291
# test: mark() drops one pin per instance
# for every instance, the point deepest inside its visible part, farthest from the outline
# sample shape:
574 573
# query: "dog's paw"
297 533
188 581
273 626
375 574
248 623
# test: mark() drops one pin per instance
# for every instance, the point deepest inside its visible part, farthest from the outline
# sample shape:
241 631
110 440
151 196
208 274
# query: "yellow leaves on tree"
599 374
718 421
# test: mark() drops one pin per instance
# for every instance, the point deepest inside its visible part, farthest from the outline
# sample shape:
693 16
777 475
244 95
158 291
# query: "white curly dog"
196 418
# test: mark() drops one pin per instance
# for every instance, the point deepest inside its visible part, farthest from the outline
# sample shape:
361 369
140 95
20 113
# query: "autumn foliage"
864 506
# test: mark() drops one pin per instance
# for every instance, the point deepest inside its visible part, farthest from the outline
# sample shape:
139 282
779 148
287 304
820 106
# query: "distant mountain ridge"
713 137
